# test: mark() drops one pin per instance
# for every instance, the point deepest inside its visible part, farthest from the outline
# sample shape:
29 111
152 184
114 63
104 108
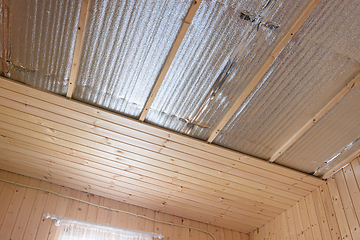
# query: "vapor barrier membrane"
303 79
41 36
336 132
126 44
191 100
334 25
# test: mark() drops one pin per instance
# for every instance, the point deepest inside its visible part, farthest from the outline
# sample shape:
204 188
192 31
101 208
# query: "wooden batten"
250 87
337 98
79 42
190 15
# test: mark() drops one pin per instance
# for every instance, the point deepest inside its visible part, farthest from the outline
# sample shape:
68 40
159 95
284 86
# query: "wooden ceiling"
63 141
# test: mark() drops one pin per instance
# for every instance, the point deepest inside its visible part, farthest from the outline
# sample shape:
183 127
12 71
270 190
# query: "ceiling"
266 81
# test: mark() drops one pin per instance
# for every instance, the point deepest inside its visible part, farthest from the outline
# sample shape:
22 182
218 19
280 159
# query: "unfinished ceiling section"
124 49
193 96
38 40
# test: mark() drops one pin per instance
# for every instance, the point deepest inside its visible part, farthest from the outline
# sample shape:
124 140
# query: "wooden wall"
330 212
21 212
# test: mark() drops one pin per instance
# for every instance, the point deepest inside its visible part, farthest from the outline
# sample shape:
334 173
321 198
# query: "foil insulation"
126 44
218 28
333 135
41 38
299 83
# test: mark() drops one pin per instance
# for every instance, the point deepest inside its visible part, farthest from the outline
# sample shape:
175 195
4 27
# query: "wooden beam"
316 117
189 16
340 165
84 14
249 88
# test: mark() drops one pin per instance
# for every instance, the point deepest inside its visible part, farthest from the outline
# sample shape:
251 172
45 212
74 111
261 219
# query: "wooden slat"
339 209
320 213
24 211
149 133
79 42
291 224
53 132
313 217
36 212
50 206
353 189
330 212
340 165
6 195
67 207
247 204
347 205
261 198
305 220
249 88
285 226
249 174
192 213
337 98
13 209
298 222
191 13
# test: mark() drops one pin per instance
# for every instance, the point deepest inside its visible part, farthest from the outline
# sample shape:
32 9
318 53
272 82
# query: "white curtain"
77 231
72 229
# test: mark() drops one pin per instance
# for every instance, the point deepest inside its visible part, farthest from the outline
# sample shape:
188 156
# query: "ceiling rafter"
189 16
84 14
316 117
342 164
249 88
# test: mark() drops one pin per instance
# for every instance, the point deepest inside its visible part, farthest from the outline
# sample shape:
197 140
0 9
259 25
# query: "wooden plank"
279 228
313 218
251 194
337 98
290 187
79 42
13 209
356 167
266 65
339 209
102 216
60 210
285 226
191 13
320 213
153 134
291 224
6 195
24 212
353 189
298 222
340 165
330 212
36 212
305 220
184 209
246 185
347 205
50 207
74 177
93 210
